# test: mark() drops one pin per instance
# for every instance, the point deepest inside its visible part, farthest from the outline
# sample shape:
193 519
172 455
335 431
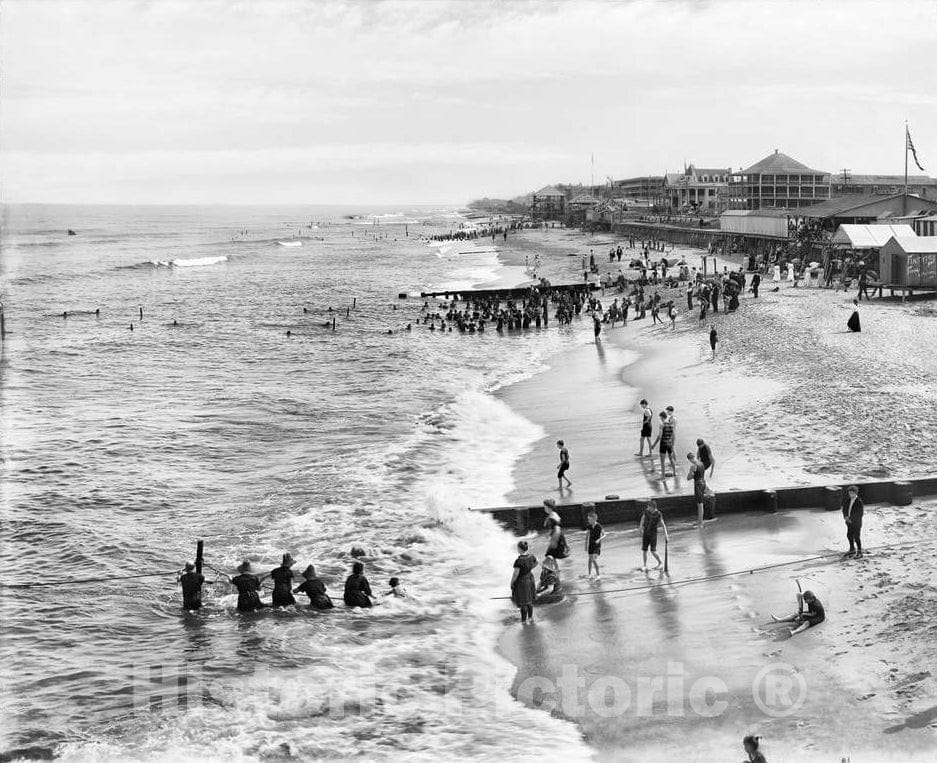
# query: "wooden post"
3 325
333 324
199 547
354 303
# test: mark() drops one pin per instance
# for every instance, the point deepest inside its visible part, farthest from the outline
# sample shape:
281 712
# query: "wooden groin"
615 510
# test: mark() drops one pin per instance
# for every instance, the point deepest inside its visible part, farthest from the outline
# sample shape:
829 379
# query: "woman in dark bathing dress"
314 588
357 588
523 588
248 586
282 582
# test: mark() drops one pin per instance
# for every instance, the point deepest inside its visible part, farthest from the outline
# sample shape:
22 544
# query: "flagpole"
904 202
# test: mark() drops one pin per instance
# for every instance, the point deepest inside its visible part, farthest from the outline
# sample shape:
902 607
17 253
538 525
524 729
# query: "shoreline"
588 394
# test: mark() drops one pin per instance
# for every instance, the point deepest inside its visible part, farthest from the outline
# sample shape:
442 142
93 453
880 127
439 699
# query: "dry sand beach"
791 399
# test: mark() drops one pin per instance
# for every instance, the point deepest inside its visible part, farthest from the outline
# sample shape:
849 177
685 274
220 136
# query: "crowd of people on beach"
492 230
650 289
530 309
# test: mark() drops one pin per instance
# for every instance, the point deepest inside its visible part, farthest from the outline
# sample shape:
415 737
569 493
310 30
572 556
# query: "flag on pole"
910 146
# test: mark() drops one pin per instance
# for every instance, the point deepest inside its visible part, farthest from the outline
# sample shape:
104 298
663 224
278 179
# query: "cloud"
96 89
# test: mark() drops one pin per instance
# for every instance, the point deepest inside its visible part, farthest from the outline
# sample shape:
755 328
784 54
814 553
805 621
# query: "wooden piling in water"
199 548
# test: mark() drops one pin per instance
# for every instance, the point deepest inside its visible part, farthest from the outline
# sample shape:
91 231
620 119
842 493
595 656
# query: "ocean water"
121 448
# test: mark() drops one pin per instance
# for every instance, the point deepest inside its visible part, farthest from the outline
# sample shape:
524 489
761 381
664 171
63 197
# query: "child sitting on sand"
814 614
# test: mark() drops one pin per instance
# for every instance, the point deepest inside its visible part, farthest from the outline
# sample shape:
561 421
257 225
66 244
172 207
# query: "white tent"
869 236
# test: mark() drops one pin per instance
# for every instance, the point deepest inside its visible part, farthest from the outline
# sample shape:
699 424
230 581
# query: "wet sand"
791 399
857 685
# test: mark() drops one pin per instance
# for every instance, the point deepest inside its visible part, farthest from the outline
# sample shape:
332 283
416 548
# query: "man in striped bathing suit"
666 440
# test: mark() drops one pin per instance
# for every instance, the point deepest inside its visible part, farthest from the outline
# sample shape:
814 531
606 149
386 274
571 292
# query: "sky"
432 101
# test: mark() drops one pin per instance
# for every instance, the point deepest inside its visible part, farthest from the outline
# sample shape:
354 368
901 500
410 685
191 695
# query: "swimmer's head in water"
357 568
189 566
288 560
394 582
309 572
522 545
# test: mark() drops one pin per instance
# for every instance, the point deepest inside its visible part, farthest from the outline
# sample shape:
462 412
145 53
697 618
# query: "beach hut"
865 237
910 261
865 242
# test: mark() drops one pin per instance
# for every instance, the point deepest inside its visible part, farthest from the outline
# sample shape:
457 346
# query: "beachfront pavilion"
647 188
778 182
696 188
548 203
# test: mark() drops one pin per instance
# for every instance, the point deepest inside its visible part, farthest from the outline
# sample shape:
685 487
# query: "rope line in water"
83 581
704 578
687 581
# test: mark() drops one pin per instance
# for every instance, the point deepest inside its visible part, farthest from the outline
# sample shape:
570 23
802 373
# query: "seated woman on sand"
809 612
357 588
550 589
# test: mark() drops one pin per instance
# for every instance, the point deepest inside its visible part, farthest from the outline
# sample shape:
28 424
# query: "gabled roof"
921 244
672 177
870 236
765 212
778 162
585 198
852 205
710 170
549 190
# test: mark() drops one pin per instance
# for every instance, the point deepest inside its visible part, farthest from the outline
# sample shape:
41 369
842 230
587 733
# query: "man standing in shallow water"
647 417
564 465
666 440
